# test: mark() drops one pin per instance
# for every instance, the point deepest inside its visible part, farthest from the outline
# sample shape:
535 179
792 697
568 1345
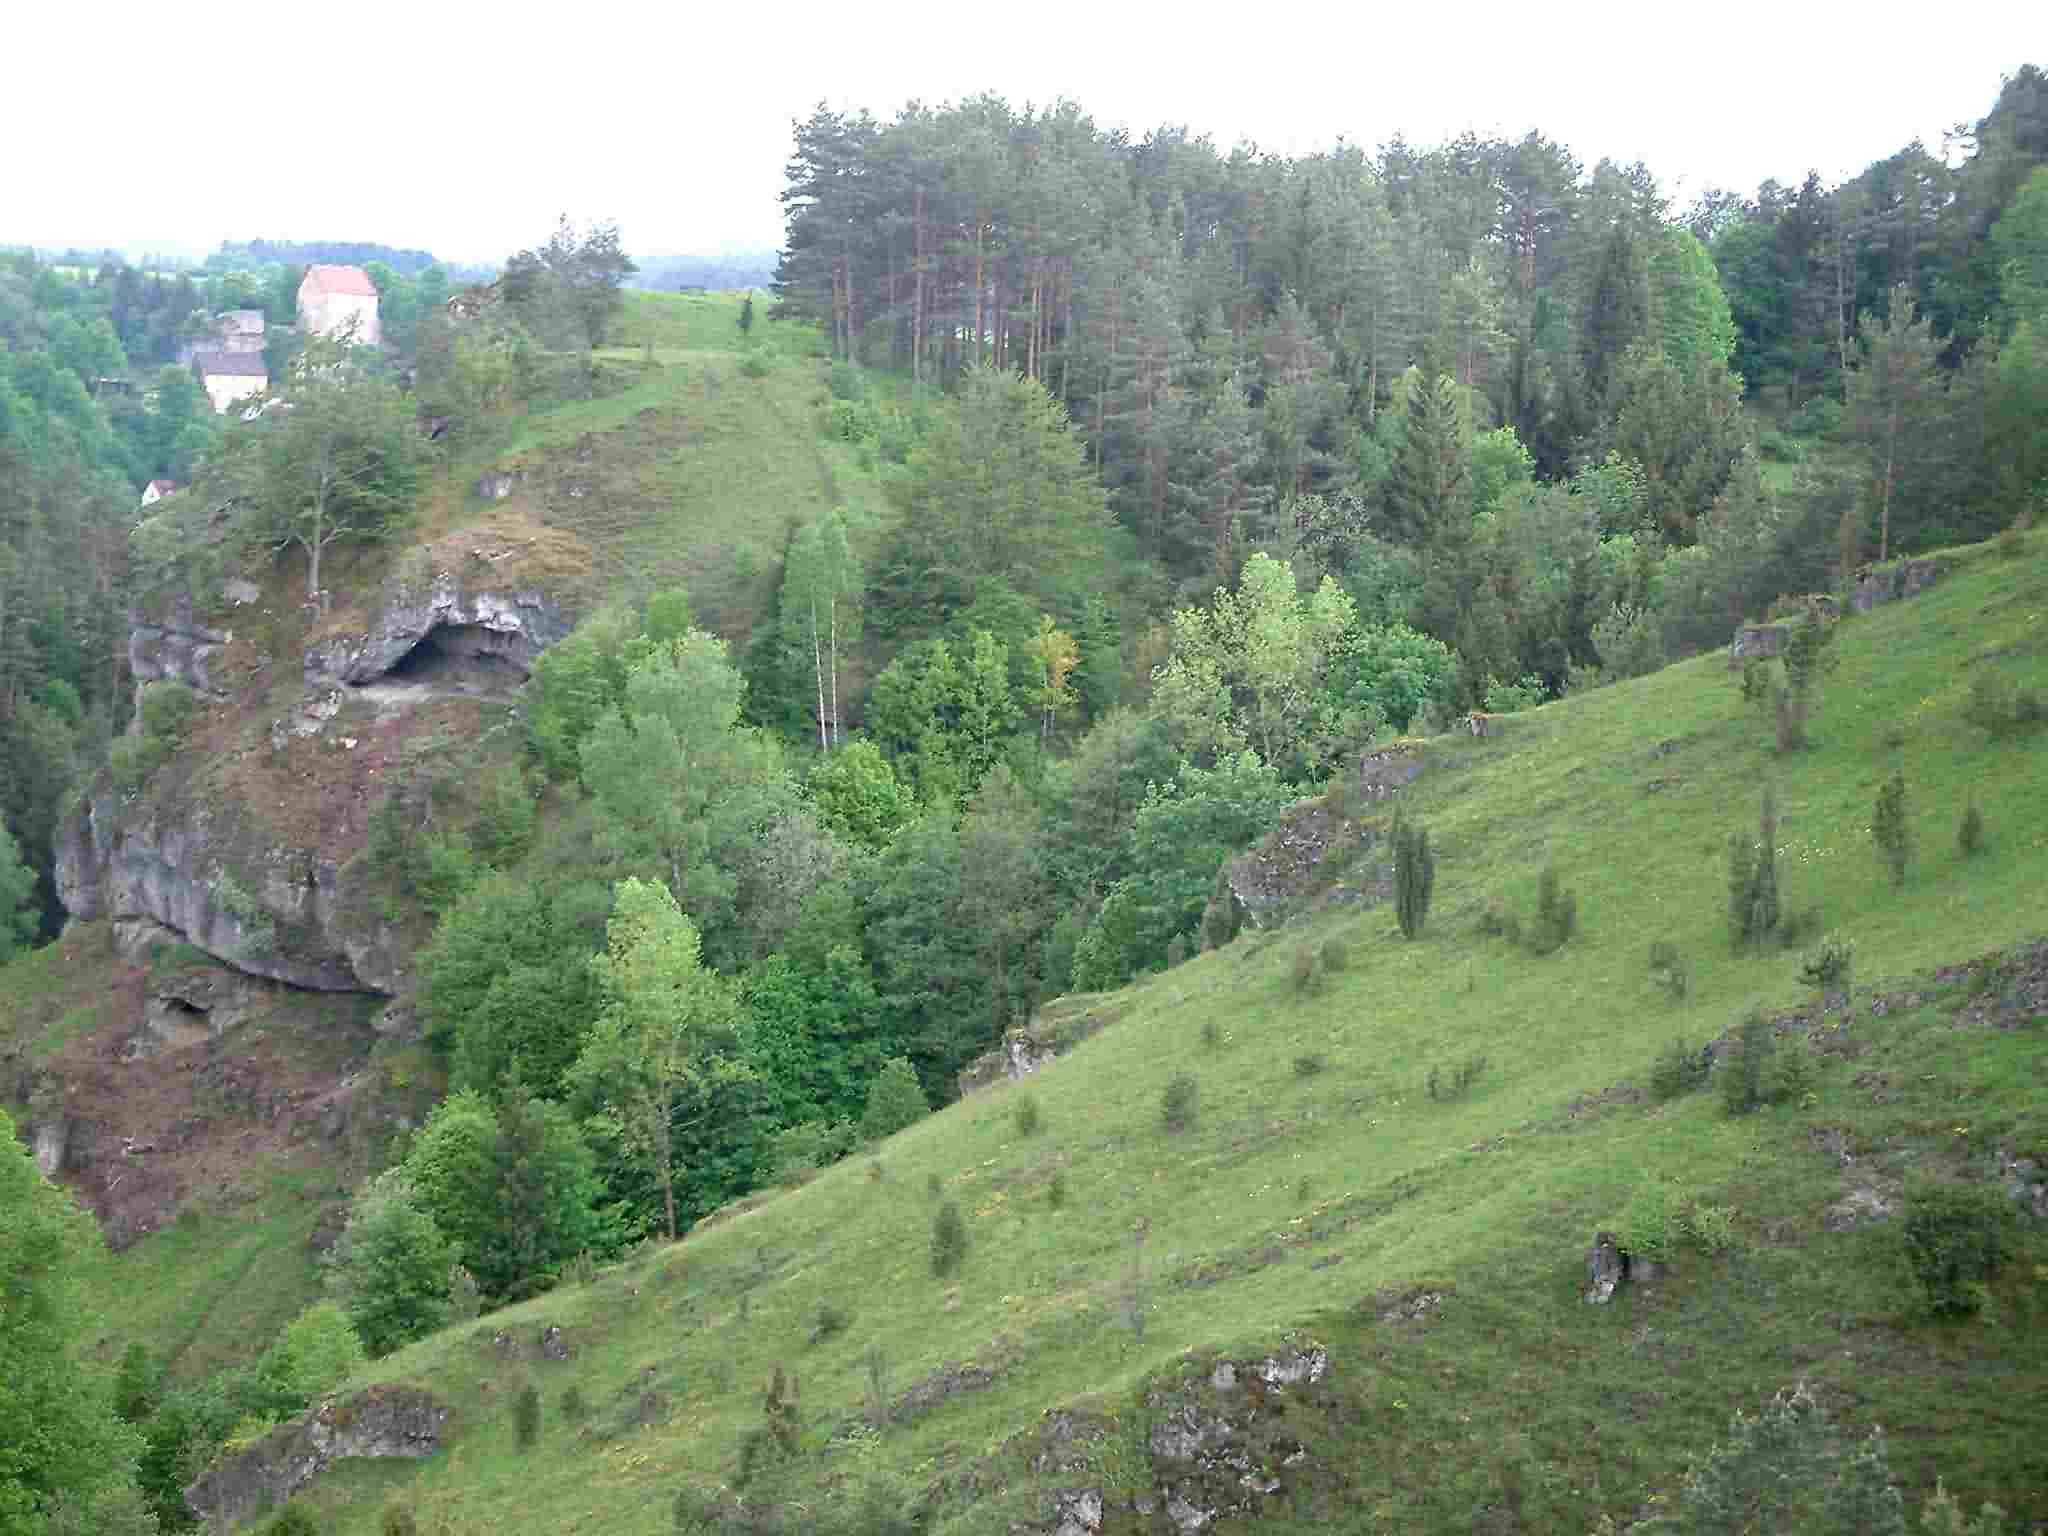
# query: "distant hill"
733 269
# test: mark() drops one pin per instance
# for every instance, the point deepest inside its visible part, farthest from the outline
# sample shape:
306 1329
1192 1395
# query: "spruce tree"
1888 827
1753 880
747 314
1414 875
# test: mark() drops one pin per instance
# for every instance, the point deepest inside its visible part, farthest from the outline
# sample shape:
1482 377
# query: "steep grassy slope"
1322 1195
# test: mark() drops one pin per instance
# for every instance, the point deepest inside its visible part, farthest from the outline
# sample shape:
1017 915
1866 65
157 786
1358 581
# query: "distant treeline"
244 255
738 269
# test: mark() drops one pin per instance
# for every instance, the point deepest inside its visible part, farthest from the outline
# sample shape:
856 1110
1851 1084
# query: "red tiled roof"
163 487
332 279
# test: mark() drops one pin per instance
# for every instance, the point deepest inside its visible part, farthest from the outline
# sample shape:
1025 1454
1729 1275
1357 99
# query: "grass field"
1305 1201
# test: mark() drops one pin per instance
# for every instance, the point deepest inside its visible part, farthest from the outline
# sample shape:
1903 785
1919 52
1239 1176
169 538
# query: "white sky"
467 128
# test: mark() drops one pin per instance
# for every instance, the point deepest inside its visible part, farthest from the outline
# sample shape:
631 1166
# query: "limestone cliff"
246 844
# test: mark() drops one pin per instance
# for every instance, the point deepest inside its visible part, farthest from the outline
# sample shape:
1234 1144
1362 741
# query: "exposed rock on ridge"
514 627
382 1421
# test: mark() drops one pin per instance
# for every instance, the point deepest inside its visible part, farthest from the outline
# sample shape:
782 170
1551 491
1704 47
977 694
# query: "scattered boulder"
2027 1183
1483 724
1860 1206
497 484
51 1142
1756 642
552 1345
239 592
1605 1269
1078 1513
394 1420
1385 771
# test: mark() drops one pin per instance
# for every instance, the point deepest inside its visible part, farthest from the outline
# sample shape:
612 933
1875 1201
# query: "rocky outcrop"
176 648
508 627
1054 1030
1218 1450
168 864
386 1421
1889 583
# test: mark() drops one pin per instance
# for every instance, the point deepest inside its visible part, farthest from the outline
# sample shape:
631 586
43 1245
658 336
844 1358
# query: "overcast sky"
467 129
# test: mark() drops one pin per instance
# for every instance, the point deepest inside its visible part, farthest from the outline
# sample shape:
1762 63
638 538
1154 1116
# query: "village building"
230 376
331 297
233 330
157 490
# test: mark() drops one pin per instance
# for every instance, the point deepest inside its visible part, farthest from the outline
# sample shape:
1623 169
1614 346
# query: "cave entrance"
464 658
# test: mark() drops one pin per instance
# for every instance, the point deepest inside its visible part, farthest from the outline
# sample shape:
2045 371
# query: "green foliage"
858 795
1441 1086
1955 1238
1026 1115
514 1186
949 1240
1680 1068
19 917
1889 829
1784 1470
1414 875
1182 834
318 1350
1829 966
59 1436
1999 706
830 1321
397 1517
165 713
526 1417
895 1100
1557 914
1942 1515
1179 1102
390 1268
1669 970
1970 831
1499 698
293 1520
1336 956
1661 1216
1753 881
1310 1063
797 1152
1746 1076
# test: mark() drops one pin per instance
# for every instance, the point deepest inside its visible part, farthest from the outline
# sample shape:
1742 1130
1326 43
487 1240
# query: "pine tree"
747 315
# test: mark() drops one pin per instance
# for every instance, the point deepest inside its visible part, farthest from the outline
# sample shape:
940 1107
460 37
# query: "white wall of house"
224 389
326 314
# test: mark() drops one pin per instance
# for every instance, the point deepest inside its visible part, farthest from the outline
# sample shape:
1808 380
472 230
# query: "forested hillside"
548 780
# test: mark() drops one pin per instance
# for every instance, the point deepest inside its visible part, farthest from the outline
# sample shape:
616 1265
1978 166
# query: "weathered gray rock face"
1604 1270
176 648
51 1142
398 1421
165 865
1754 642
1889 583
510 627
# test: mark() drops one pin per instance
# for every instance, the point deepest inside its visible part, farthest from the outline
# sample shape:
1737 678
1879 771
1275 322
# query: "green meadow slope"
1321 1198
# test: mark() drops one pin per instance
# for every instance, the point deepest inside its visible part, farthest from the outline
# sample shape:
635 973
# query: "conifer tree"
1888 828
1414 875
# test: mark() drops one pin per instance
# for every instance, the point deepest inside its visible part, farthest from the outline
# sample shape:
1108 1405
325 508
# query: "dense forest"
1207 471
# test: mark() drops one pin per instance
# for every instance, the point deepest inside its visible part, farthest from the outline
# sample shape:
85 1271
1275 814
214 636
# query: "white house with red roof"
332 296
157 490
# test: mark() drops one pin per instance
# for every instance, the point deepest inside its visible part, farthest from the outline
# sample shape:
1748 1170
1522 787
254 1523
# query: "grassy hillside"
1435 1246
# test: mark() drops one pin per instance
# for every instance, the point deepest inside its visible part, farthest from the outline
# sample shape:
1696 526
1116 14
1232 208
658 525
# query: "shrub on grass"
1679 1068
1443 1086
1212 1033
1828 968
1304 974
1176 950
1500 921
895 1100
1414 875
575 1408
1888 828
1557 914
1742 1073
831 1321
526 1416
1177 1103
1956 1236
949 1240
1669 971
1336 956
1999 706
293 1520
754 366
398 1519
1970 831
1753 880
1026 1115
934 1185
1309 1063
1056 1190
